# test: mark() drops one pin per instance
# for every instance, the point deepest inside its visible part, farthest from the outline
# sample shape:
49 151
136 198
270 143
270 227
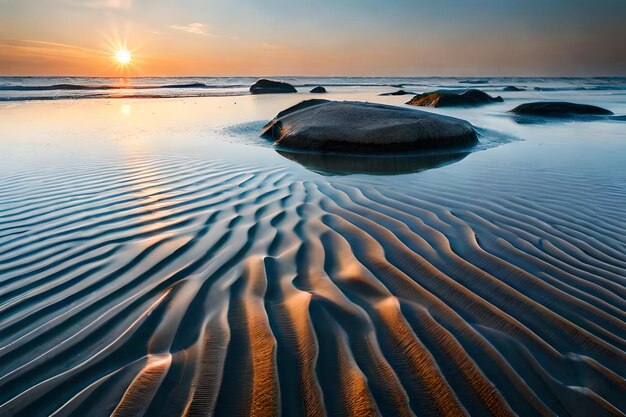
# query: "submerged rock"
264 86
397 93
449 98
513 88
349 126
318 90
559 109
474 82
190 85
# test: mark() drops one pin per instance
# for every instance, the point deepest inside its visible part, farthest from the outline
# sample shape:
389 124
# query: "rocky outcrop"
451 98
559 109
347 126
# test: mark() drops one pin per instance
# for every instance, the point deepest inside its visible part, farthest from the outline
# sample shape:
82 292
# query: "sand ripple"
175 286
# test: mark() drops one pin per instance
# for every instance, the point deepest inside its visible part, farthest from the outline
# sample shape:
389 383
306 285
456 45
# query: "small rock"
397 93
318 90
264 86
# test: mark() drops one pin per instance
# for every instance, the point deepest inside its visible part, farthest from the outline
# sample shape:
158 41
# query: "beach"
157 257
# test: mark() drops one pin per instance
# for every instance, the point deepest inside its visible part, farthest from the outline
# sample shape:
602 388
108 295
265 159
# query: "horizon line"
313 76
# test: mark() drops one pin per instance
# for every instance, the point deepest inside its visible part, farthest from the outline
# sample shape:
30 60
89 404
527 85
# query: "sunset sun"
122 56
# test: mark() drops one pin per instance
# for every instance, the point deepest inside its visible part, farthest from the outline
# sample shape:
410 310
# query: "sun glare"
123 56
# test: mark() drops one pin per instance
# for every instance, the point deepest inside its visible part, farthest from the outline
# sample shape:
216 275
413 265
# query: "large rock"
559 109
264 86
318 90
451 98
348 126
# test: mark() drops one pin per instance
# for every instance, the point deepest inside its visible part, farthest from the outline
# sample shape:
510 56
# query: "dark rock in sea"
67 87
397 85
349 126
513 88
474 82
449 98
397 93
264 86
559 109
190 85
318 90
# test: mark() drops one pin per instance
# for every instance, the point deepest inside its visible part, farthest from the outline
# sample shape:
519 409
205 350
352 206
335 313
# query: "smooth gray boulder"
453 98
349 126
559 109
264 86
318 90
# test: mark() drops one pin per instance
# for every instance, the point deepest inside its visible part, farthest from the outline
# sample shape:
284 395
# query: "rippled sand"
191 283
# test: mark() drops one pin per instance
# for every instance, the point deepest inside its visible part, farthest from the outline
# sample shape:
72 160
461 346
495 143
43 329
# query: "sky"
314 37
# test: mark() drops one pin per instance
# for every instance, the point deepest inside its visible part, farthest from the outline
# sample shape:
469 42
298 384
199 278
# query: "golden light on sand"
123 56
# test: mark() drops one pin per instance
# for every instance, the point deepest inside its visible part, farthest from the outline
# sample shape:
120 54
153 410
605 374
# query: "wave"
59 88
178 286
190 86
80 87
193 85
119 96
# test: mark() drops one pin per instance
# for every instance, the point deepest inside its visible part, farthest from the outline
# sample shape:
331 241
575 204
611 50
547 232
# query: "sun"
123 56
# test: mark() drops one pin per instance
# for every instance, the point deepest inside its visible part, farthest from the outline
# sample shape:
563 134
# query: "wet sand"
152 265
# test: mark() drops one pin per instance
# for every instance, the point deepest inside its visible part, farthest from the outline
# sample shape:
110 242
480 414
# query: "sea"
61 88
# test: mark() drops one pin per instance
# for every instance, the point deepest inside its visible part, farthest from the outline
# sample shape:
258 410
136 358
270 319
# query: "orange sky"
279 37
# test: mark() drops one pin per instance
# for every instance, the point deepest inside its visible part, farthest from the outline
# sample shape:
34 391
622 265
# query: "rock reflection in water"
345 164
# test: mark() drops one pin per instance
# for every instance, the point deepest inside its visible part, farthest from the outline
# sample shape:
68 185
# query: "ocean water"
54 88
158 258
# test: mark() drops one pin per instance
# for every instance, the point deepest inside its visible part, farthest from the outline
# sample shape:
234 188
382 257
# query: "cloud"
44 47
195 28
42 57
